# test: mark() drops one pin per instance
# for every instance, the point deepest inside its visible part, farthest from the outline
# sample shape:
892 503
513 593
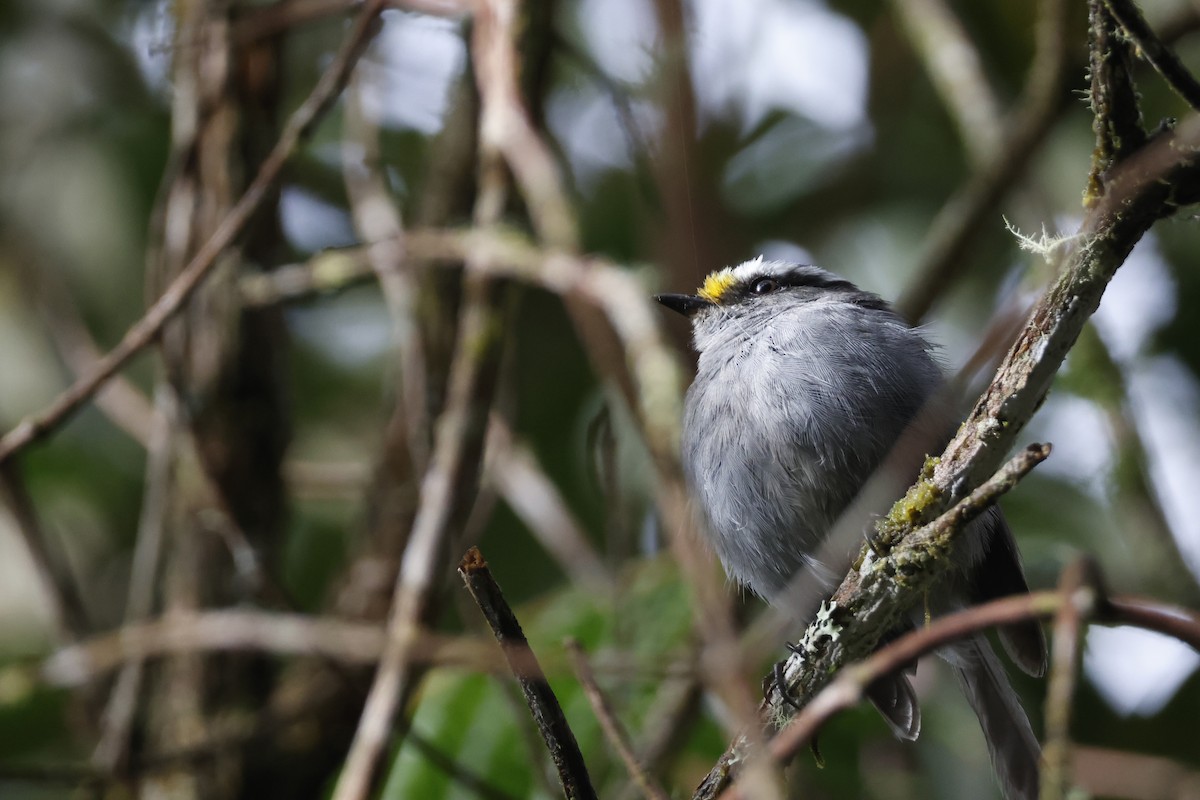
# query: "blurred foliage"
85 137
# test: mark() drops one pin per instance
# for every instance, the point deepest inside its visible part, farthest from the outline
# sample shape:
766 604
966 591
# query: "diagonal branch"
945 255
147 329
1127 14
1141 189
543 704
614 731
453 475
1079 598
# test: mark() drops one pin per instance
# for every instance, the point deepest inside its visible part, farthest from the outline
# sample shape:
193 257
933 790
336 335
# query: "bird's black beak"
686 304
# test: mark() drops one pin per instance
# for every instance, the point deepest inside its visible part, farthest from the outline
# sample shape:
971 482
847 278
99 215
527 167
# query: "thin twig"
802 680
668 721
939 533
377 220
455 466
560 741
614 731
1153 50
1080 596
119 714
249 631
1180 623
47 553
956 71
147 329
944 254
531 494
120 400
457 771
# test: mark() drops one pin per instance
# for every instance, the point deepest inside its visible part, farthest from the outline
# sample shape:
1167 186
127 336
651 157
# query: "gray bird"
804 384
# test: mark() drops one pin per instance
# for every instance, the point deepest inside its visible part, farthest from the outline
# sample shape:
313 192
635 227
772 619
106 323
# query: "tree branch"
1153 50
1141 189
613 730
543 705
147 329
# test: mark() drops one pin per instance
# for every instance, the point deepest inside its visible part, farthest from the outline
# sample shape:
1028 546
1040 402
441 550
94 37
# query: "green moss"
911 510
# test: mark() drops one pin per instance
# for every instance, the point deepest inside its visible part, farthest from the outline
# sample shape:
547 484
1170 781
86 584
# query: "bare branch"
956 70
614 731
1079 590
1153 50
547 713
50 561
532 495
251 631
378 221
1180 623
455 466
944 254
119 713
146 329
259 22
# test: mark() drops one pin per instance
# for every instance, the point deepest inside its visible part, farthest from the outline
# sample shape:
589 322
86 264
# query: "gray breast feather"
786 421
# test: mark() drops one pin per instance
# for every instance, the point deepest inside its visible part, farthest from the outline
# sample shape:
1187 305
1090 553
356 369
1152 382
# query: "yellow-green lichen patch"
913 509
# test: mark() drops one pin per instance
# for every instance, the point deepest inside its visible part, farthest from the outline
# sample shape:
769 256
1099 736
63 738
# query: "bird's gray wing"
998 575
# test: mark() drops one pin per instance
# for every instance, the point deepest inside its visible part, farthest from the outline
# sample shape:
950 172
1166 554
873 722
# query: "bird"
804 385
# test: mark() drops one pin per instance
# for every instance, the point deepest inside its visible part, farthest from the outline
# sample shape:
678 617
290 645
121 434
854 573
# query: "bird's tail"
1015 752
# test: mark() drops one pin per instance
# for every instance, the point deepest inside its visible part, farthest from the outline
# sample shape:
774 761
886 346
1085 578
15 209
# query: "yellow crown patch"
717 284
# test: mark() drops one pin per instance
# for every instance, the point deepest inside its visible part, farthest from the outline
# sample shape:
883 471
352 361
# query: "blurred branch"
377 220
235 733
543 705
118 718
533 497
147 329
1156 556
452 477
1078 586
613 730
120 400
666 724
251 631
46 551
954 67
1153 50
458 772
1105 772
1182 624
945 256
260 22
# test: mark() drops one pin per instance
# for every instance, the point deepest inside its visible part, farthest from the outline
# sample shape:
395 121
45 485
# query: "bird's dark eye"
766 286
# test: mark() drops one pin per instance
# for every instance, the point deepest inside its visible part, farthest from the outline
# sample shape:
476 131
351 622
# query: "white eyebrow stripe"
748 269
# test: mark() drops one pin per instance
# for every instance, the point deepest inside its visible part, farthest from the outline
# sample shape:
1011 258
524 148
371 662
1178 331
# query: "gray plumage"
803 387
